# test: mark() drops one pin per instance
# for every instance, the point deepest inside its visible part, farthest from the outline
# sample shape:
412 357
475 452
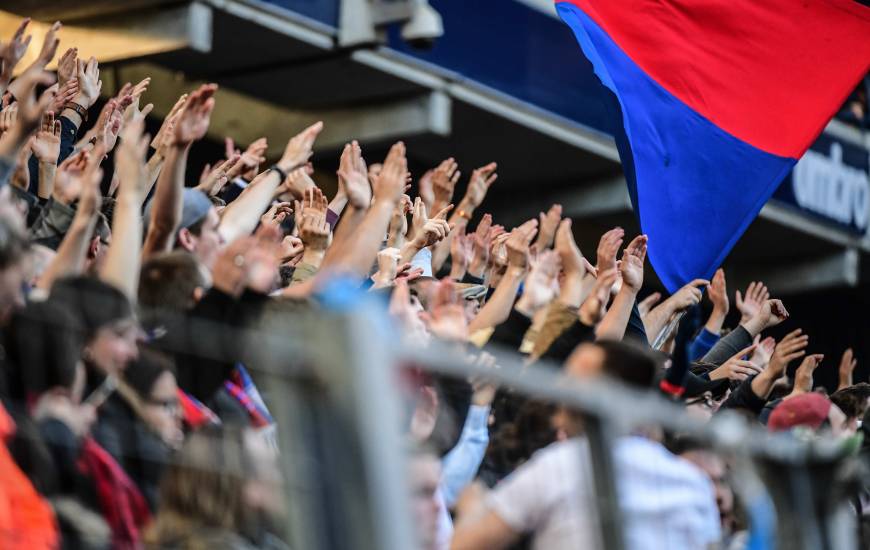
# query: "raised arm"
84 175
479 184
241 216
612 327
497 309
124 257
191 125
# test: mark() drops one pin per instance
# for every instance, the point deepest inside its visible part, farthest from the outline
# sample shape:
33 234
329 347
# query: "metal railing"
349 415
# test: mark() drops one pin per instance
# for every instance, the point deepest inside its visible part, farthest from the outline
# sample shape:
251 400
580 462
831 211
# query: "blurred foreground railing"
332 383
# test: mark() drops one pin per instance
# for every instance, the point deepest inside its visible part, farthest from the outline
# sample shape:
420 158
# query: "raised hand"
67 183
388 267
300 148
315 203
549 224
250 160
519 243
433 231
688 295
30 110
540 285
46 142
89 83
748 305
481 180
298 182
847 367
763 351
66 66
213 180
64 94
314 232
608 246
398 227
49 47
11 53
130 162
425 189
353 177
595 306
633 258
111 128
291 250
193 120
444 179
447 319
771 313
737 368
803 376
792 347
718 293
484 390
163 135
390 183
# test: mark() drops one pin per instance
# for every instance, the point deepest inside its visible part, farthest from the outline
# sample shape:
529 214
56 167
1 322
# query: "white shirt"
667 502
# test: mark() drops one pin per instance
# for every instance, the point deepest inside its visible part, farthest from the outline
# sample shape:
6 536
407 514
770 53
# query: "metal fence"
331 380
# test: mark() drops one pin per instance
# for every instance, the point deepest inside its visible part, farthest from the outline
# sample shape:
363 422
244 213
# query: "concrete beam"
247 118
124 35
834 270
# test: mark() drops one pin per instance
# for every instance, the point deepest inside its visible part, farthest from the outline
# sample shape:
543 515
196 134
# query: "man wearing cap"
809 410
197 232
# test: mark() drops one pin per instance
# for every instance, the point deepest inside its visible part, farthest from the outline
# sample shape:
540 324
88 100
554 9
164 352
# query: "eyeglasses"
705 399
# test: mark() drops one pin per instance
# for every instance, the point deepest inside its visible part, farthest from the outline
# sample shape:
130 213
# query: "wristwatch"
82 112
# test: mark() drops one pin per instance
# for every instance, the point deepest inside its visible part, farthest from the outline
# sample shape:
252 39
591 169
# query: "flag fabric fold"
719 100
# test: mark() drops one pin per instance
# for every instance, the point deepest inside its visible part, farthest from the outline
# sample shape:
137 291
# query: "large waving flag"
719 99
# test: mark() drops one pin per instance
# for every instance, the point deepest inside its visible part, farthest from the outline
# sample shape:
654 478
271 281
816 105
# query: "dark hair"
167 282
143 372
43 344
14 245
95 303
629 363
852 400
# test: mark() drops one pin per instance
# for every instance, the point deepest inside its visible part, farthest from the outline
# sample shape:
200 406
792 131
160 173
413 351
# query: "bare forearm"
499 306
715 322
762 384
338 203
657 318
358 254
155 165
571 290
47 171
612 327
121 268
346 227
242 215
168 202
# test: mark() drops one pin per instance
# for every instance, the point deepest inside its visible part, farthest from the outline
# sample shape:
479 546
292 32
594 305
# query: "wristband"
81 111
280 172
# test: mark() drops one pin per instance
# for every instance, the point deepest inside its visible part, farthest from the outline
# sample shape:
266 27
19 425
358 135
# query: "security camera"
424 26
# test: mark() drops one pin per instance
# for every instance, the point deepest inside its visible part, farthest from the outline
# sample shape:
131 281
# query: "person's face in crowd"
13 280
587 361
264 490
163 411
97 253
208 243
714 467
424 476
114 346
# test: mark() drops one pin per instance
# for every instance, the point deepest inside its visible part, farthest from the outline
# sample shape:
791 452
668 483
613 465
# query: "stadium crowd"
125 428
